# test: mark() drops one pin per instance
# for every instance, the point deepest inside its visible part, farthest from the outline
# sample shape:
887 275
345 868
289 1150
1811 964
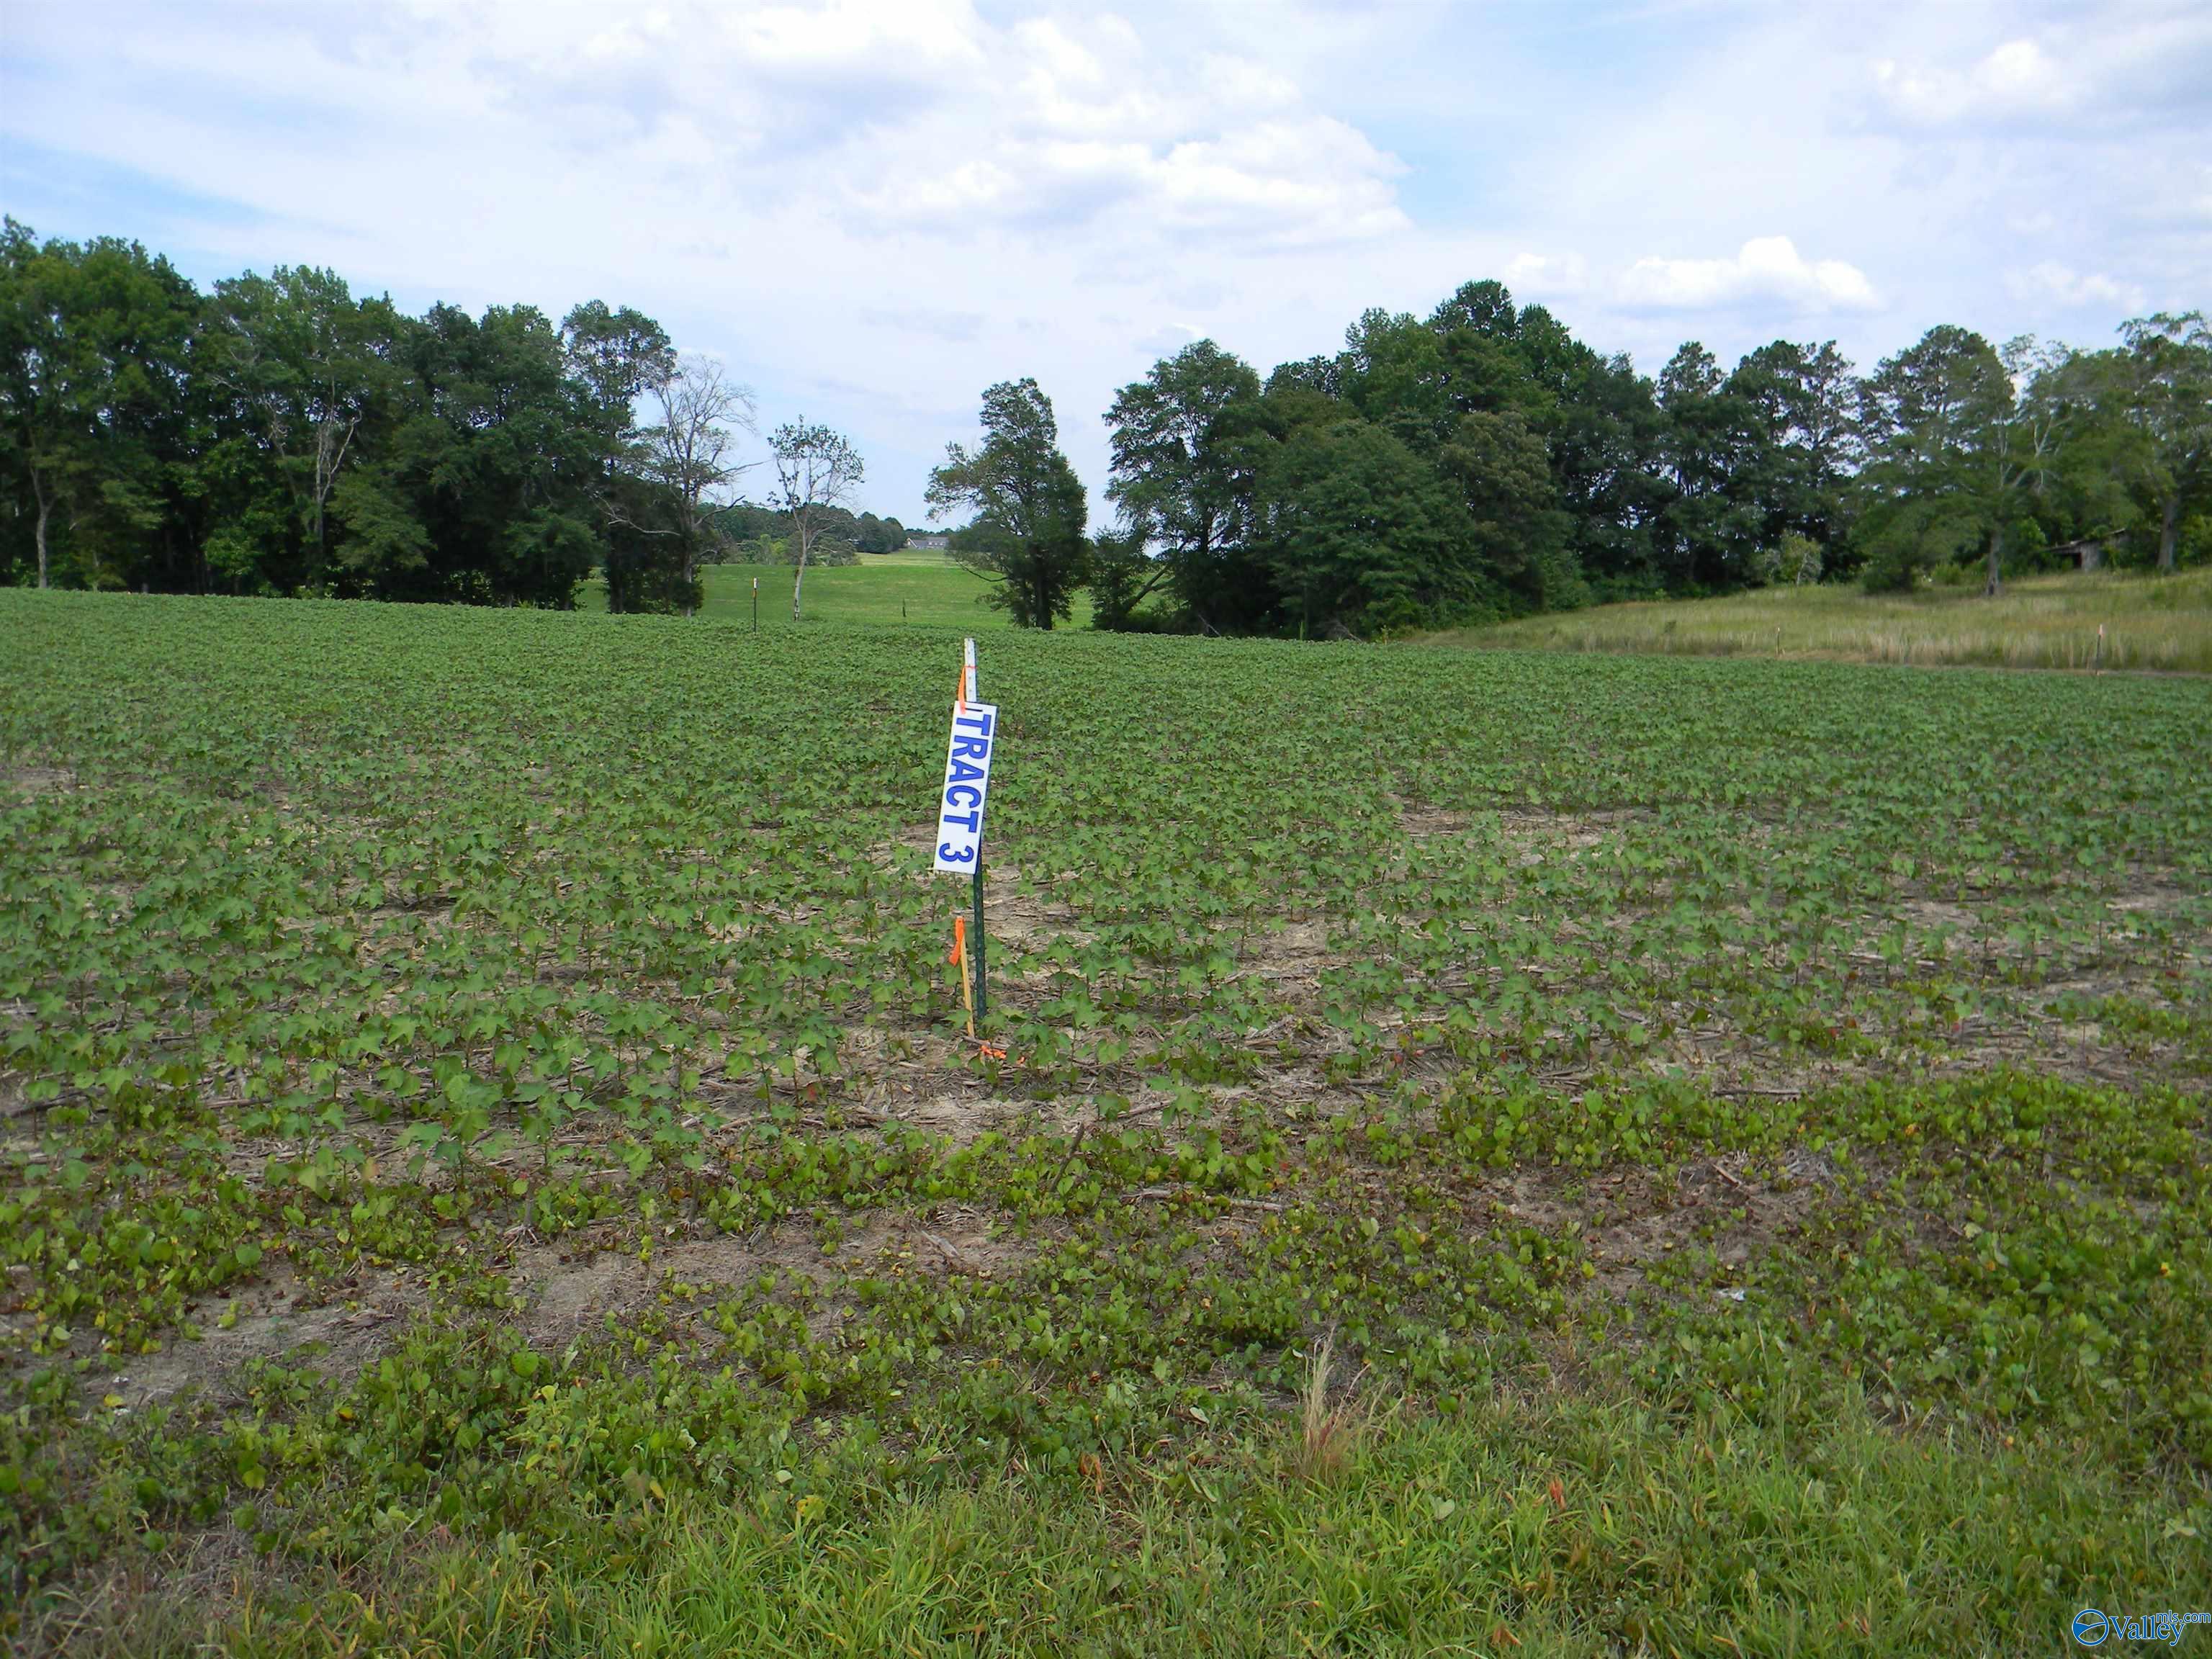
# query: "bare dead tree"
691 448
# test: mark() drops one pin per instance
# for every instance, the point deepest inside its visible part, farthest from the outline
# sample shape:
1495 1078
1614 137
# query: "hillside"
2157 623
911 588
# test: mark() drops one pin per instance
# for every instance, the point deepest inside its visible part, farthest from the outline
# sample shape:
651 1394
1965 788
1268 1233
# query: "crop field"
1493 1152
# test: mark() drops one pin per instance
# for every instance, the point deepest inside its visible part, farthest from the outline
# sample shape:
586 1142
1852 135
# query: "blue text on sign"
967 786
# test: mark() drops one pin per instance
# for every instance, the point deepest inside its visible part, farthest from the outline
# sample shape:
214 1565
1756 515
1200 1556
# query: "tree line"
1482 462
280 435
756 534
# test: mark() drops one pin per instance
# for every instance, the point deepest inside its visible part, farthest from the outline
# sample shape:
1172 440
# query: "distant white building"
936 539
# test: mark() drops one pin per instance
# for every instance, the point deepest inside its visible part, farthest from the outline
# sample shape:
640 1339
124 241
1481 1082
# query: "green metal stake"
756 605
968 691
980 1009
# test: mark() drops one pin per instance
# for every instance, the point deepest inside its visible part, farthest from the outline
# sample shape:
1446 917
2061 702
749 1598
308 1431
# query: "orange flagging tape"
967 983
959 954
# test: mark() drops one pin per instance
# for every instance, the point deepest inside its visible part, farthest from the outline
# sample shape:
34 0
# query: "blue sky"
869 210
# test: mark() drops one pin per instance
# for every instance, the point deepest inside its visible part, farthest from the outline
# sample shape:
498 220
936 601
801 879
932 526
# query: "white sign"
967 780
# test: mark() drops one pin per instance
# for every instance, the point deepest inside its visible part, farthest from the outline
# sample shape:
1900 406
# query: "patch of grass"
2038 622
914 587
1560 1525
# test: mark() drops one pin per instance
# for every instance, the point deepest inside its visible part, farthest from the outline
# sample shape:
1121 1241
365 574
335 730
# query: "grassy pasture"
489 1162
2162 624
908 588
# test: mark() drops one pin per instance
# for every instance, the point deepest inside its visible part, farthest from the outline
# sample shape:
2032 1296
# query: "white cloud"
2143 64
2018 77
1236 82
1311 180
917 113
870 209
2048 280
1766 269
957 325
1543 274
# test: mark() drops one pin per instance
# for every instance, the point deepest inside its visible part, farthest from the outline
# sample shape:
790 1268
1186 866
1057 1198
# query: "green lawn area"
924 589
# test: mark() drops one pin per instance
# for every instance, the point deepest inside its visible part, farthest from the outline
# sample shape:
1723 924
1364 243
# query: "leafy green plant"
564 1100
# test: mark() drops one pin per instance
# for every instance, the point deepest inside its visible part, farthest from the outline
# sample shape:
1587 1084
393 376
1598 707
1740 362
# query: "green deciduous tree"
1363 533
1027 534
874 535
2170 403
95 351
616 354
1123 574
1600 424
296 384
2092 500
650 535
1516 530
1711 532
1186 443
496 459
1797 405
280 435
299 368
1934 419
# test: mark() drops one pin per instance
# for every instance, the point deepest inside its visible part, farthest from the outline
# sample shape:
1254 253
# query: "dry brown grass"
1328 1431
2150 622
